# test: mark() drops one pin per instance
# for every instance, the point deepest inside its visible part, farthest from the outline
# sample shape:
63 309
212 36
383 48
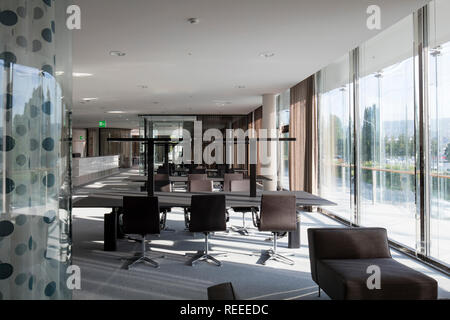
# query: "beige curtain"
303 153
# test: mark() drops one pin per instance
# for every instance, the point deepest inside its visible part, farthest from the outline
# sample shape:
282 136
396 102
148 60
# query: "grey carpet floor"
103 275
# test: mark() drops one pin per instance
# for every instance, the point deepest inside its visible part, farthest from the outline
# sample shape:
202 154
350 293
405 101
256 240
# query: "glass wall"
335 149
283 116
439 129
387 135
387 116
35 152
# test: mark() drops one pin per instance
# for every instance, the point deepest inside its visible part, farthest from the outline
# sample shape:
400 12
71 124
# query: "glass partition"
35 150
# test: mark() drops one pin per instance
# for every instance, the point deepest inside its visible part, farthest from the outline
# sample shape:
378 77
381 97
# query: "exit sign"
102 124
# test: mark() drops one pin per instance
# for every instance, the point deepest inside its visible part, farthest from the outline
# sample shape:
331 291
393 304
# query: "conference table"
168 200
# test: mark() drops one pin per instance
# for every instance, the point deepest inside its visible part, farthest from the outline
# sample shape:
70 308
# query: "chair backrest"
163 185
161 176
208 213
141 215
228 177
200 186
222 291
278 213
240 185
197 176
198 171
346 243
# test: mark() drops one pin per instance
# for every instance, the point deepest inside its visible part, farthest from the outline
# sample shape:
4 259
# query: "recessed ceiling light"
117 53
89 99
59 73
240 87
266 54
193 20
116 112
82 74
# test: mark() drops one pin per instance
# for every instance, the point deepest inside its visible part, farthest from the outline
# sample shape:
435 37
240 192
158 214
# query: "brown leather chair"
222 291
340 257
228 177
207 215
197 176
141 216
200 186
242 186
278 215
161 176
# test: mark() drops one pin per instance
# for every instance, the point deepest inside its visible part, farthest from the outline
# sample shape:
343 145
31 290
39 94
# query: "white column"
269 122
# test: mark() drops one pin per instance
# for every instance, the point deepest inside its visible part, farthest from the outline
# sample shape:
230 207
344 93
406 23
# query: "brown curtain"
303 153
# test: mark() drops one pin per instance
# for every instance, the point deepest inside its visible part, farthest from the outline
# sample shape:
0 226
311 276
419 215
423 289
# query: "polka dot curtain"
35 186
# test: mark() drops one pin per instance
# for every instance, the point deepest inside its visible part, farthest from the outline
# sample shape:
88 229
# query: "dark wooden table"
168 200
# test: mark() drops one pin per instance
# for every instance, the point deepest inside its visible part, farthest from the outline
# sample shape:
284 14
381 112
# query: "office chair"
278 214
197 176
141 216
241 186
200 186
207 215
228 177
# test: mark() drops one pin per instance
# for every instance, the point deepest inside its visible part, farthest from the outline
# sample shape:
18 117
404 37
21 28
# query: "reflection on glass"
387 149
439 130
335 150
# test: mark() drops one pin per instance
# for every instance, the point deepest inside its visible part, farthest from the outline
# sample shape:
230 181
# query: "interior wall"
79 142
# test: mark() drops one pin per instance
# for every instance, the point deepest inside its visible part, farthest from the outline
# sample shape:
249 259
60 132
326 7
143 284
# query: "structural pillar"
268 149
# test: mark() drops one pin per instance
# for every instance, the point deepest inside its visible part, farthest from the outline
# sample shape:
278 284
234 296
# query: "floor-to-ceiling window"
439 129
283 113
384 148
335 149
386 145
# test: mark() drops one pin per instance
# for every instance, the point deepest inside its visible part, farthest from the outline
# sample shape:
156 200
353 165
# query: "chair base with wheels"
243 229
142 258
205 256
272 254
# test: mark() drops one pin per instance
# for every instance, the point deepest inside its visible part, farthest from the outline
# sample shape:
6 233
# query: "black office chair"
222 291
278 215
242 186
207 215
141 216
196 186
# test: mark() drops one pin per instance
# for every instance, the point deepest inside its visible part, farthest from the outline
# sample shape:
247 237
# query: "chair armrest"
255 217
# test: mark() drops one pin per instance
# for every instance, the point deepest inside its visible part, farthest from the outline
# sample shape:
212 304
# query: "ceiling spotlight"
89 99
266 54
117 53
81 74
193 20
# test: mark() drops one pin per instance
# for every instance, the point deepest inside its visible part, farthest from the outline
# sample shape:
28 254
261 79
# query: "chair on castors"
228 177
197 176
141 216
278 215
196 186
200 186
222 291
242 186
207 215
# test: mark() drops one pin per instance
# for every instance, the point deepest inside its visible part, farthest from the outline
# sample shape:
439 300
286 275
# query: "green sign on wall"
102 124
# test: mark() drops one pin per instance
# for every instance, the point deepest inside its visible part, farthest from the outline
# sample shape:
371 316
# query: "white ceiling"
194 69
